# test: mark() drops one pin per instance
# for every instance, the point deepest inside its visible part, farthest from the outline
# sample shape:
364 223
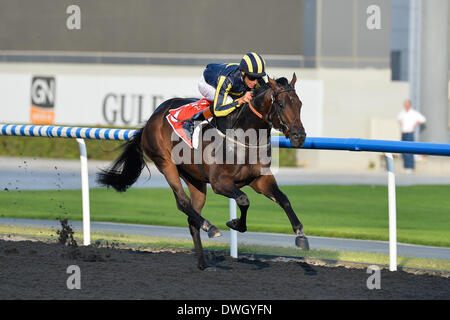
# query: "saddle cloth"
177 117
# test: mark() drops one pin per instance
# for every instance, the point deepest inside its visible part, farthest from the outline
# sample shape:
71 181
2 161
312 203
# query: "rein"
240 143
259 115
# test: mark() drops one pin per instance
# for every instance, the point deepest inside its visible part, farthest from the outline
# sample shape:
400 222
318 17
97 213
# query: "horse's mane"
281 81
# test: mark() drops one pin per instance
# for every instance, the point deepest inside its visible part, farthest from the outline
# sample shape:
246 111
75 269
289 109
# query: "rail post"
85 192
233 233
392 212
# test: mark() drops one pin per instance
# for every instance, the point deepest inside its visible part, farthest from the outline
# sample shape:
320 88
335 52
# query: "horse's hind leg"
198 197
267 185
172 176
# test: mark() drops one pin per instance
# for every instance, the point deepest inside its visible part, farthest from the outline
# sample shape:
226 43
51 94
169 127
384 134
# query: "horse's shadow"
217 262
213 261
309 271
257 264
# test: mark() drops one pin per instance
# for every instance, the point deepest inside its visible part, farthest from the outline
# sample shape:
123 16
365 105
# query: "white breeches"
208 91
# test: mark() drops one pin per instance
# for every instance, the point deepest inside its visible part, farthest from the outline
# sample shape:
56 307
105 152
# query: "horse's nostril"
298 136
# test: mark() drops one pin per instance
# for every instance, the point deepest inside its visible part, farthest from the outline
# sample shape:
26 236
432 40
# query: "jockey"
228 86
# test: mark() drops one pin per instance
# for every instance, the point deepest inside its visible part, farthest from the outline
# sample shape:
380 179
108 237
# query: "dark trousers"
408 158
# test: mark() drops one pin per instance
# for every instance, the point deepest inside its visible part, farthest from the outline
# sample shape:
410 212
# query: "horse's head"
285 111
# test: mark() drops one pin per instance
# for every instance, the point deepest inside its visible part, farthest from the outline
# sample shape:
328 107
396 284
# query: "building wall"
173 26
341 38
327 33
400 39
358 103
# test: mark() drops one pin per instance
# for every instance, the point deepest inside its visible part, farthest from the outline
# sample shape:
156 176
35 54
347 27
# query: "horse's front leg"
225 186
267 185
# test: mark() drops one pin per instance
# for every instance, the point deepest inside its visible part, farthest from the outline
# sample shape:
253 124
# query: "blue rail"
350 144
356 144
65 132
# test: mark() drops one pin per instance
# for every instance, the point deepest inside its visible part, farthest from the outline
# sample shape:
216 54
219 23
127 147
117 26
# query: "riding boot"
189 125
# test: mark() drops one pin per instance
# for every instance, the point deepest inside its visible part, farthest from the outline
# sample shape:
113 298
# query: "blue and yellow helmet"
253 64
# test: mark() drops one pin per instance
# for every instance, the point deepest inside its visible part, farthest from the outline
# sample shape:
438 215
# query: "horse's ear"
272 83
294 79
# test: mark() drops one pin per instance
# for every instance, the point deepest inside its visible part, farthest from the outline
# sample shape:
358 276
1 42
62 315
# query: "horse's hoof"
213 232
202 265
302 242
236 224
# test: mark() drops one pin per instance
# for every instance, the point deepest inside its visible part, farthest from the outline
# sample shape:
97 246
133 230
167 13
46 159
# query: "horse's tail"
127 168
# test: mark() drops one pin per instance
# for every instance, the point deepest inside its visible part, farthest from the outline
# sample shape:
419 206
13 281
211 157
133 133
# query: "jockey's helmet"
253 65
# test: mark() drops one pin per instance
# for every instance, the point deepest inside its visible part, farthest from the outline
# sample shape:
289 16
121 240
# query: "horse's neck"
244 118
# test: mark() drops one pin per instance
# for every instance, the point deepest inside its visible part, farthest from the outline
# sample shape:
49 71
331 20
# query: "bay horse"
274 105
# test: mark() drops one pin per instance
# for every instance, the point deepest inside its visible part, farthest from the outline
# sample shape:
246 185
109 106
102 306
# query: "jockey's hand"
246 98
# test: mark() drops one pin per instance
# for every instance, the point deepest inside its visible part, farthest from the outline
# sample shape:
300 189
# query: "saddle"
178 117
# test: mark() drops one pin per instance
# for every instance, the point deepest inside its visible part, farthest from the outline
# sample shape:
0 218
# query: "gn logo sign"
43 91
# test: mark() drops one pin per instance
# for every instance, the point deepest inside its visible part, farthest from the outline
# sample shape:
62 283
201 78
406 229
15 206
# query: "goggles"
251 78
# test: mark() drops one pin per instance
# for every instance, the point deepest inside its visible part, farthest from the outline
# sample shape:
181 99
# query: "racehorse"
274 105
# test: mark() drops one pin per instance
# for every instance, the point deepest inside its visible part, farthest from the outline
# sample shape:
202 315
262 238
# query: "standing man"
409 119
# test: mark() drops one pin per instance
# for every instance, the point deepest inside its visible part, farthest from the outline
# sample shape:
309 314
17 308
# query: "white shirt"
409 119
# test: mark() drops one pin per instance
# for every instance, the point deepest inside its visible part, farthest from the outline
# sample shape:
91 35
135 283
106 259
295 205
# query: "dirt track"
37 270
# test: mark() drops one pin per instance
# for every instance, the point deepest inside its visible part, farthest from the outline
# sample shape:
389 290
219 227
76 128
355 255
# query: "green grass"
361 212
287 157
157 243
42 147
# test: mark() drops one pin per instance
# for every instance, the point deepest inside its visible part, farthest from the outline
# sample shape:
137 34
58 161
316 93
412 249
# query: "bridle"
277 108
276 103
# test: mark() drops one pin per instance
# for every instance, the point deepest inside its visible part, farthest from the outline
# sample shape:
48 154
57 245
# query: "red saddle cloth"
177 117
187 111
